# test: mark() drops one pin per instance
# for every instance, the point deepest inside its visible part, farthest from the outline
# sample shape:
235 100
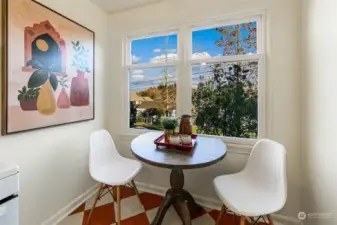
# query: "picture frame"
48 68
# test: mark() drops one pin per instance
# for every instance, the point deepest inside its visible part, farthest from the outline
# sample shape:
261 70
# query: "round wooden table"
206 152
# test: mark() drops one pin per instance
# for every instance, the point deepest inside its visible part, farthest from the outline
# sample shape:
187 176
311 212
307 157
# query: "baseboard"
212 203
64 212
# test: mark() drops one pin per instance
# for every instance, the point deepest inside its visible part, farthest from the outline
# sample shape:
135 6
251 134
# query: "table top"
206 152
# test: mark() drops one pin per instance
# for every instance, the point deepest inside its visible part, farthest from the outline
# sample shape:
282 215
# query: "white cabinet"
9 194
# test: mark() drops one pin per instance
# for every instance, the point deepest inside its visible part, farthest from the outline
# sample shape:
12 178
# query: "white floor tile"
104 200
130 207
75 219
203 220
171 217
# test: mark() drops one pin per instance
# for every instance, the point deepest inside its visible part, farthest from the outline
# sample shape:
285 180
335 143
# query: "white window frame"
184 67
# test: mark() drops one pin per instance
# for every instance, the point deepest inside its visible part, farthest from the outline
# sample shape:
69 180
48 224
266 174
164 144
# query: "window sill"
234 145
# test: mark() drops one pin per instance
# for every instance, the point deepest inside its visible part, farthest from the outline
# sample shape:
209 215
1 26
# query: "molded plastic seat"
106 164
259 189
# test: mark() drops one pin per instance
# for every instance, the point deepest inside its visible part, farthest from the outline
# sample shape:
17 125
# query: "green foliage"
80 60
53 81
169 123
226 104
41 75
29 94
133 114
63 81
38 78
140 118
35 64
234 43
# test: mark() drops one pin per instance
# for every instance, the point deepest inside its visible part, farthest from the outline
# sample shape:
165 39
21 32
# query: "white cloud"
171 50
134 72
164 58
137 77
135 59
157 50
174 56
137 74
199 55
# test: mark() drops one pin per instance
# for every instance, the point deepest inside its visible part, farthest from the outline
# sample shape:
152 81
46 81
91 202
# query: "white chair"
260 188
108 167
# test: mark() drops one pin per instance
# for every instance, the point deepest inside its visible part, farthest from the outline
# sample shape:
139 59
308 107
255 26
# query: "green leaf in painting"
24 89
53 81
35 64
38 78
77 43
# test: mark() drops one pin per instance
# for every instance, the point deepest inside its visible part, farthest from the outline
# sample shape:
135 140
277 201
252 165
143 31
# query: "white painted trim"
65 211
225 59
184 62
211 203
170 63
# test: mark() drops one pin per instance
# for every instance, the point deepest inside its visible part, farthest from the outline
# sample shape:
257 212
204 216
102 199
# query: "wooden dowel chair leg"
114 192
136 190
221 214
118 205
95 202
270 221
242 220
111 191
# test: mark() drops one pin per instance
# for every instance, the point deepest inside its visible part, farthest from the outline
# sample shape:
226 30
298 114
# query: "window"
152 89
225 93
221 65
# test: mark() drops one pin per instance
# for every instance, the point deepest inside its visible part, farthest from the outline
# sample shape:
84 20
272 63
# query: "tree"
226 104
133 114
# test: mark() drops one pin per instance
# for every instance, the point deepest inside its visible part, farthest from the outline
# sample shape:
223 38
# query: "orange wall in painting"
36 30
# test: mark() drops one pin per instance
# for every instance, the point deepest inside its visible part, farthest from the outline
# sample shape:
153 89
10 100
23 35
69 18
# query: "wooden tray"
160 141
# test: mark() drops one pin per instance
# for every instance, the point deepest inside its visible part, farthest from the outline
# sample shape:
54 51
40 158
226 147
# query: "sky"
164 48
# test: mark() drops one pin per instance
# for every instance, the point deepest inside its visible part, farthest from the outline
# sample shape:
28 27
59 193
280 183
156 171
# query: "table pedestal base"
178 197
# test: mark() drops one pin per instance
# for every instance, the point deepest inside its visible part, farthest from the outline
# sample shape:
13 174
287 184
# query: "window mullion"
184 82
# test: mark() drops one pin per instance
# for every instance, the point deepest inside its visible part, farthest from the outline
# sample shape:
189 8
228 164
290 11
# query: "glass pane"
152 94
155 49
225 99
232 40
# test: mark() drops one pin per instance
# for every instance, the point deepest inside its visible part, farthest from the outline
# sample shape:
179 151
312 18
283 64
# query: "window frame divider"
184 62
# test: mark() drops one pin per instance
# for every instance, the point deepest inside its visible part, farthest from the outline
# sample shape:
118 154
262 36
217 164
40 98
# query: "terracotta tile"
102 215
126 192
140 219
150 201
78 210
193 214
228 219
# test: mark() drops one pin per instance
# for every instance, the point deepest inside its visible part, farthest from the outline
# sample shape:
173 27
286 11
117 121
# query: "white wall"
319 110
54 162
283 74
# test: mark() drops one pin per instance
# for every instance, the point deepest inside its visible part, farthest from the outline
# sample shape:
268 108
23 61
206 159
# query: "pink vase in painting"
79 90
63 101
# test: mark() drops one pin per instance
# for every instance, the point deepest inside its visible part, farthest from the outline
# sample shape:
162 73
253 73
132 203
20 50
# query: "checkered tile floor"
138 213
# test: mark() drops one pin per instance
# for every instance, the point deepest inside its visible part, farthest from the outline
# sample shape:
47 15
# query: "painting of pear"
46 103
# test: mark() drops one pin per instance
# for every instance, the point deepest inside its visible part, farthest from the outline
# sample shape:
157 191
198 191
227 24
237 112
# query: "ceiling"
111 6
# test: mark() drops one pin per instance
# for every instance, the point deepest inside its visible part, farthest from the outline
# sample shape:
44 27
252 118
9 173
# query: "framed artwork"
47 68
